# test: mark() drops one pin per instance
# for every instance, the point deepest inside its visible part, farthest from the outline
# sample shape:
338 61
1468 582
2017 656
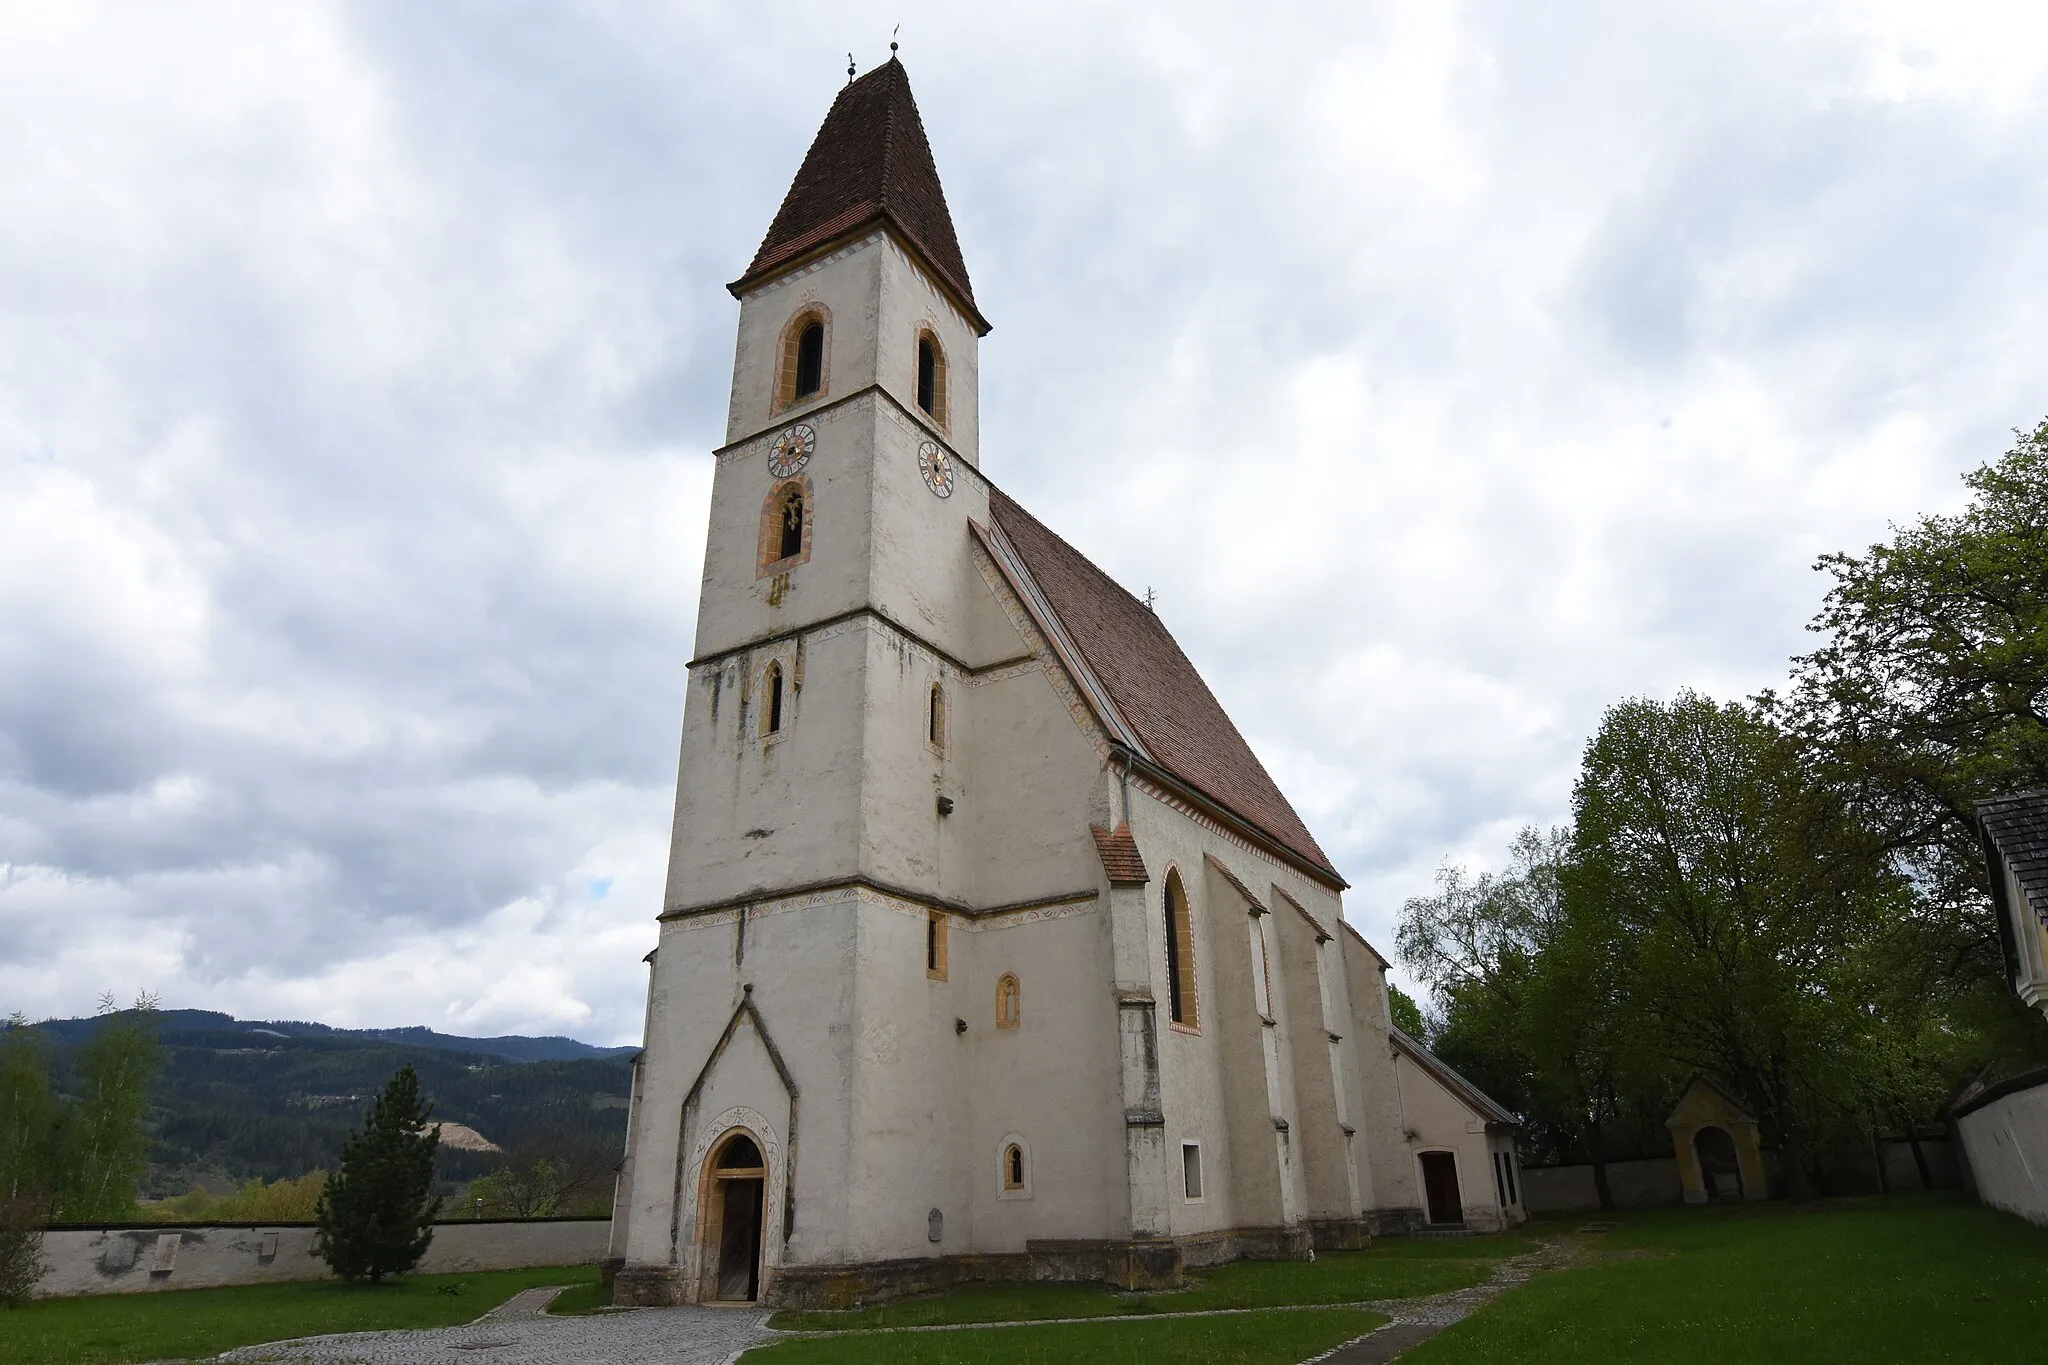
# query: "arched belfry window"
931 377
1009 1001
800 373
1180 956
935 718
792 523
810 360
771 700
785 526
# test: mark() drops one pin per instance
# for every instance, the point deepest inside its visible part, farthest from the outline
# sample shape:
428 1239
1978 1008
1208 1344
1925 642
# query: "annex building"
989 948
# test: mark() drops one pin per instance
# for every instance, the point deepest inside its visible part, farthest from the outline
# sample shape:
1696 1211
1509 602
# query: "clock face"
792 450
937 467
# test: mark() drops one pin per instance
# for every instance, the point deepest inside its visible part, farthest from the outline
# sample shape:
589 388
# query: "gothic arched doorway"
1720 1172
729 1245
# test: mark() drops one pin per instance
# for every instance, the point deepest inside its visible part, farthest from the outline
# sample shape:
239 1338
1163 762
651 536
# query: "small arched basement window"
1009 1001
935 717
1180 956
931 377
810 359
1013 1167
771 700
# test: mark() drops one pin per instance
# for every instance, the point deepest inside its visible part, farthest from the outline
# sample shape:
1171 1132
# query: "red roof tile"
1152 684
1120 858
869 162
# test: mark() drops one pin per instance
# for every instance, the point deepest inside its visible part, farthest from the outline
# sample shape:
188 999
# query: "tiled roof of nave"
1177 717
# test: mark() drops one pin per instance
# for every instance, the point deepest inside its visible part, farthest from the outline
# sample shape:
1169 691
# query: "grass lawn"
1251 1339
579 1299
106 1329
1396 1269
1908 1278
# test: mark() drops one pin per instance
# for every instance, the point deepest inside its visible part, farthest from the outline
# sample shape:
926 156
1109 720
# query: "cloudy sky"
1450 371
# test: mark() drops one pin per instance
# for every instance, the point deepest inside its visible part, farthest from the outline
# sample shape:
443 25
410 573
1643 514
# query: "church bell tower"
824 732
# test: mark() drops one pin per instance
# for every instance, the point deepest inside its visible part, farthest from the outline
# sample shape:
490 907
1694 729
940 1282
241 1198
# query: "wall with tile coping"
138 1258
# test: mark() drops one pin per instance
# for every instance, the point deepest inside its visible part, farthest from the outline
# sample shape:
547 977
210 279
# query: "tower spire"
869 164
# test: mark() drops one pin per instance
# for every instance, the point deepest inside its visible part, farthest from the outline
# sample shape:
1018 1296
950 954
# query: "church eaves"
870 163
1153 686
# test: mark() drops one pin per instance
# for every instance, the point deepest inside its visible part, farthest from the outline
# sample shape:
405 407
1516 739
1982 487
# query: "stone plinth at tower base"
1137 1264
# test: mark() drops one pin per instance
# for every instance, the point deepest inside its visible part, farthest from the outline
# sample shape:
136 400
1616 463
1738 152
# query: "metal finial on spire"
849 68
892 39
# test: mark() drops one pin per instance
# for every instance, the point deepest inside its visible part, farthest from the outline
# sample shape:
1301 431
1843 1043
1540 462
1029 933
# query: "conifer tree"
376 1214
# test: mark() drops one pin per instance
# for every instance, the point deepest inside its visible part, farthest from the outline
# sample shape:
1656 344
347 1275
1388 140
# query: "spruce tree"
376 1215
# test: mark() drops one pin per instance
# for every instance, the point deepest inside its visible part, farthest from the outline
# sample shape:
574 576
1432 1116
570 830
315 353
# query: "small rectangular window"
935 946
1191 1170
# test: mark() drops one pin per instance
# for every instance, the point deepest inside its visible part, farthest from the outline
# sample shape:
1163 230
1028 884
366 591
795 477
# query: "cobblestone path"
519 1332
1417 1320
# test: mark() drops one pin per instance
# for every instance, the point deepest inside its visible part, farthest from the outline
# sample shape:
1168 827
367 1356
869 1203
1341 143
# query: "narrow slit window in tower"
1009 1001
935 946
935 718
771 702
810 359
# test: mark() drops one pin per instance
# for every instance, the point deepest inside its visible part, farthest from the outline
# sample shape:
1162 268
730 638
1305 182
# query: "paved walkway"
519 1332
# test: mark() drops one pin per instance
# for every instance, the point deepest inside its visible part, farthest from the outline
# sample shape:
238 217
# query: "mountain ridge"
510 1047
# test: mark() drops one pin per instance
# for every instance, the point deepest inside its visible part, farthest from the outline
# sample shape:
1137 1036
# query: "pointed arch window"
1182 1006
785 527
931 377
771 700
792 543
800 369
810 360
935 718
1009 1001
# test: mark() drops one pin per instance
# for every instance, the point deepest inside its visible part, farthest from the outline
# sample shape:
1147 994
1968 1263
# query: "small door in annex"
1440 1187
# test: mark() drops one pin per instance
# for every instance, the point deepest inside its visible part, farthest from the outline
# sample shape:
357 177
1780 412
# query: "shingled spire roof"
869 163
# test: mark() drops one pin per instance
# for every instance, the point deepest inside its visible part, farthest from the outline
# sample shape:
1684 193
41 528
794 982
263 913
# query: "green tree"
1406 1013
27 1123
28 1116
1929 694
376 1214
101 1135
1753 901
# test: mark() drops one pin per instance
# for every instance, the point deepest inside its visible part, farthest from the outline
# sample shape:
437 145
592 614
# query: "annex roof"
2016 828
1157 692
869 163
1466 1093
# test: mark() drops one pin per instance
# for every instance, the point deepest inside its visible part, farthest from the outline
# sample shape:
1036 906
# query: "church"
989 949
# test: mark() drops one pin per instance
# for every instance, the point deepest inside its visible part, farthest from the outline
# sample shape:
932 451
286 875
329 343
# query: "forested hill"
512 1048
237 1100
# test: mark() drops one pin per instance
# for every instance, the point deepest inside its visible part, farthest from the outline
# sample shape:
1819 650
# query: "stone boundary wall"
133 1258
1569 1189
2006 1141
